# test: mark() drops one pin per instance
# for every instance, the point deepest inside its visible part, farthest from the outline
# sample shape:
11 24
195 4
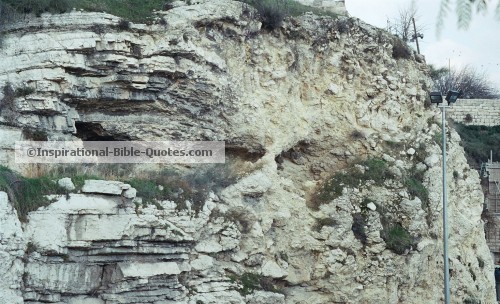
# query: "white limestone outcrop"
294 106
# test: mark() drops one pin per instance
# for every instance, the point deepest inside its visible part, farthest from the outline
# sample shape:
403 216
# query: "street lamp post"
437 98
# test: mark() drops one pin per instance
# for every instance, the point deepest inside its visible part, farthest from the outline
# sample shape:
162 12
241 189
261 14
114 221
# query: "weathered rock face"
301 102
12 248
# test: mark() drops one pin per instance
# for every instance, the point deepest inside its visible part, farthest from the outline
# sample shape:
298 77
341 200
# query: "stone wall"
484 112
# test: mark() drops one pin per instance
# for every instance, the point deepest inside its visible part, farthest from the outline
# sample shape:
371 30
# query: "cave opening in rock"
92 131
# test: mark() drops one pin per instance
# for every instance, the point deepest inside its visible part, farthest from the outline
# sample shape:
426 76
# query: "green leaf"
443 11
464 13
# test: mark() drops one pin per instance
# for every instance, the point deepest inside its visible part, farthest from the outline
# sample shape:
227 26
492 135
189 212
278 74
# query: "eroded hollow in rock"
92 131
244 153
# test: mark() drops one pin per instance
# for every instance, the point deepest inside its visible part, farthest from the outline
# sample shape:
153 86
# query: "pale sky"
479 46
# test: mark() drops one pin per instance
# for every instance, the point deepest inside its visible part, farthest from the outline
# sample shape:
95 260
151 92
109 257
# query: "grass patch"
24 91
193 187
397 238
478 141
250 282
438 139
400 50
133 10
272 12
39 7
416 188
27 194
375 169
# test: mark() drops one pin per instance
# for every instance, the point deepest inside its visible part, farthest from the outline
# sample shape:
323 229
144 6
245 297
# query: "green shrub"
24 91
271 12
438 139
400 50
124 25
134 10
472 300
375 169
397 238
416 188
39 7
250 282
193 187
478 141
27 194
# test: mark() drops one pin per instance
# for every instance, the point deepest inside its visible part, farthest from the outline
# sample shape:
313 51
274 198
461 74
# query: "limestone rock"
203 262
265 297
66 183
106 187
273 270
12 246
206 71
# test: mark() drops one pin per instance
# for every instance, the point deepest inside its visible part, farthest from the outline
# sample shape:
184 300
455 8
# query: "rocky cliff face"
294 106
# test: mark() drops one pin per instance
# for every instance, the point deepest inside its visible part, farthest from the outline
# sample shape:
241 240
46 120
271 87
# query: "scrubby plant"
374 169
397 238
400 50
24 91
472 300
27 194
193 187
250 282
136 11
124 25
416 188
271 12
39 7
242 218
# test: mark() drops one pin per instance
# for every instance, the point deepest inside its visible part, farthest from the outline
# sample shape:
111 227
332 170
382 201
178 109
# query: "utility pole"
416 35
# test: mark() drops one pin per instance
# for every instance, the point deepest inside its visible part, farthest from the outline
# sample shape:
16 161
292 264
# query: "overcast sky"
479 46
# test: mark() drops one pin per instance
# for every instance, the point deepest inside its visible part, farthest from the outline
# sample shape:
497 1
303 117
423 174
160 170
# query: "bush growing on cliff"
134 10
272 12
38 7
374 169
26 194
397 238
400 50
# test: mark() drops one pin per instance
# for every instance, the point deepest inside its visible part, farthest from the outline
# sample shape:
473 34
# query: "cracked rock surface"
295 106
